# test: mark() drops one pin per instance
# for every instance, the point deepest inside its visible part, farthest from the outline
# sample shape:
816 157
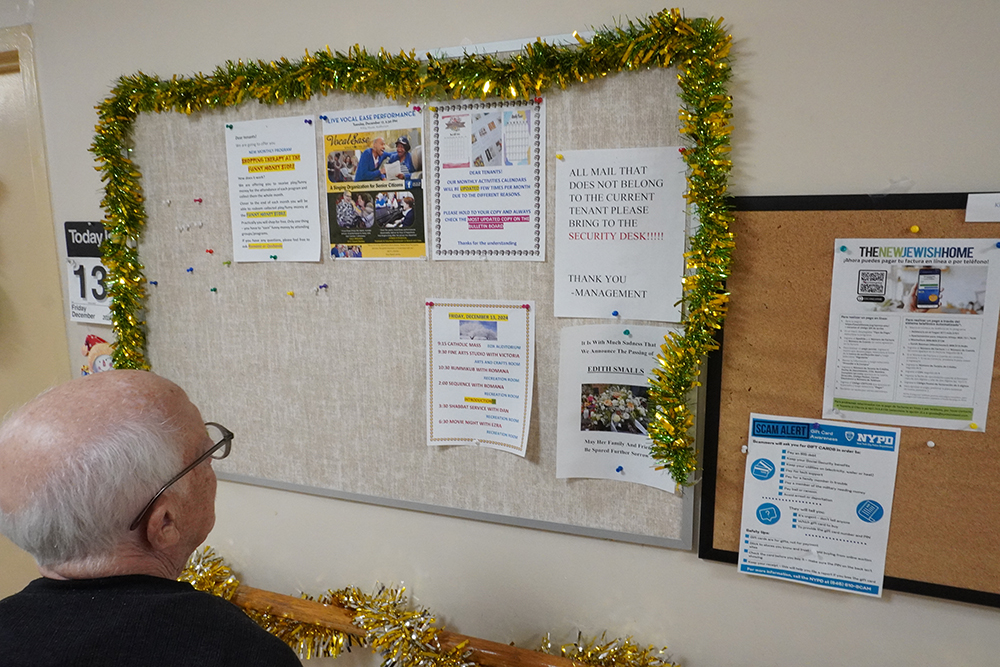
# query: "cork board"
326 390
945 532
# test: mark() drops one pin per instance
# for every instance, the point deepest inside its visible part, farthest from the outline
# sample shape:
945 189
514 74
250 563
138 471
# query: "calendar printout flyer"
817 500
488 169
480 372
913 327
273 190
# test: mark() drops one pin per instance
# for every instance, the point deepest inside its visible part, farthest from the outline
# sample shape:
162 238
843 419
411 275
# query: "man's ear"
161 527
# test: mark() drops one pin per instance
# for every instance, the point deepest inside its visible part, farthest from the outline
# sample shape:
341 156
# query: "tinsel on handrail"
698 48
405 637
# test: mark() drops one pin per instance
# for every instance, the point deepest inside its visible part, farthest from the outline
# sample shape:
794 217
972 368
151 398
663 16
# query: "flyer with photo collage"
488 180
375 196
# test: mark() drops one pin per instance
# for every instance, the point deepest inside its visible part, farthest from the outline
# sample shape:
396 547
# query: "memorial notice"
273 190
604 410
817 499
620 226
480 372
913 327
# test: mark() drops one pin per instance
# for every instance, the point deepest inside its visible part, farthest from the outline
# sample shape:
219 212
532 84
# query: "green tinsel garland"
699 48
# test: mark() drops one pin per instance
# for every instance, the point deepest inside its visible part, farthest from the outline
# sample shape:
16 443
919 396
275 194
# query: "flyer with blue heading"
913 327
817 500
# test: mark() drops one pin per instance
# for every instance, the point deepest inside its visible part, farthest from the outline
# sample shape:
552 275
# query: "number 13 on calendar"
88 294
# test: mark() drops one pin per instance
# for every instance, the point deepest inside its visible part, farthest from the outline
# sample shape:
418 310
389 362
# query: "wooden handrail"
484 652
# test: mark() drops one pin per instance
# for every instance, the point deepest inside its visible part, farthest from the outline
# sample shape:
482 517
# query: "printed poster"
817 500
489 180
620 233
273 190
374 169
88 292
913 327
604 413
480 372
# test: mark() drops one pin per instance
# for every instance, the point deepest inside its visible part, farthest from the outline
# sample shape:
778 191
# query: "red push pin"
198 200
538 100
210 251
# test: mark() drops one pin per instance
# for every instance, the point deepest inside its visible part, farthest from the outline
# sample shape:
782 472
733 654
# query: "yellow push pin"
973 426
559 156
290 293
915 229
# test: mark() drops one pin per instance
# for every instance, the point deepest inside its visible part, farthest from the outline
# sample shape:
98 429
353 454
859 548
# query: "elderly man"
370 162
107 481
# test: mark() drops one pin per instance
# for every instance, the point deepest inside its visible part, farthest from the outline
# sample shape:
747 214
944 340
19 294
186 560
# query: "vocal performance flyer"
603 404
480 371
273 190
817 499
375 194
489 180
913 327
620 228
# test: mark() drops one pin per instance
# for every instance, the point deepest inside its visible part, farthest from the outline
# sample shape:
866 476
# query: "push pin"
619 469
614 313
210 251
229 126
429 303
973 426
526 306
744 449
198 200
290 293
930 443
843 248
274 257
417 109
915 229
324 118
190 269
167 202
433 108
559 156
308 120
227 263
153 283
538 100
212 289
627 332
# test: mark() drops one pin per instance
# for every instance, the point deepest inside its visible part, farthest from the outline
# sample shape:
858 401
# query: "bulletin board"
326 388
945 531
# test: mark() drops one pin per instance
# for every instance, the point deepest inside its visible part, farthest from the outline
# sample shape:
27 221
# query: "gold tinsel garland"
699 48
404 637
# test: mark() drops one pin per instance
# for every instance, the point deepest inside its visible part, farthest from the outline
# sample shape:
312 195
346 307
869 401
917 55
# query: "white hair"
81 511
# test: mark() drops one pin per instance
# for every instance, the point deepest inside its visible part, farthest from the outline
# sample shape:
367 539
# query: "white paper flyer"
620 233
480 372
488 168
603 411
273 189
817 500
913 327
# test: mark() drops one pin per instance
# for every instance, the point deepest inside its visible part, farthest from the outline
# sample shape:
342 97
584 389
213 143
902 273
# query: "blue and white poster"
817 500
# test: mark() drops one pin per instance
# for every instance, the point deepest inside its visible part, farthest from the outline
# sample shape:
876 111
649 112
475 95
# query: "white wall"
831 97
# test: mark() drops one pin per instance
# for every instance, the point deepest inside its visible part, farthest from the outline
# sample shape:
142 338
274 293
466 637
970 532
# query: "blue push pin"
309 120
843 248
614 313
619 469
627 332
998 244
153 283
190 269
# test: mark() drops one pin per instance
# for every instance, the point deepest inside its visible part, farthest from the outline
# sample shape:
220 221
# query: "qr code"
871 283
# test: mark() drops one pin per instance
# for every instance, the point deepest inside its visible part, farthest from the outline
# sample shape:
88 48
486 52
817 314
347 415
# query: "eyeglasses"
223 439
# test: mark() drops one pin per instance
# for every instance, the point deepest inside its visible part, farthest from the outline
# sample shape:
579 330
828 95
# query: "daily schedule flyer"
604 373
620 227
489 180
913 327
817 499
273 190
480 371
375 197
